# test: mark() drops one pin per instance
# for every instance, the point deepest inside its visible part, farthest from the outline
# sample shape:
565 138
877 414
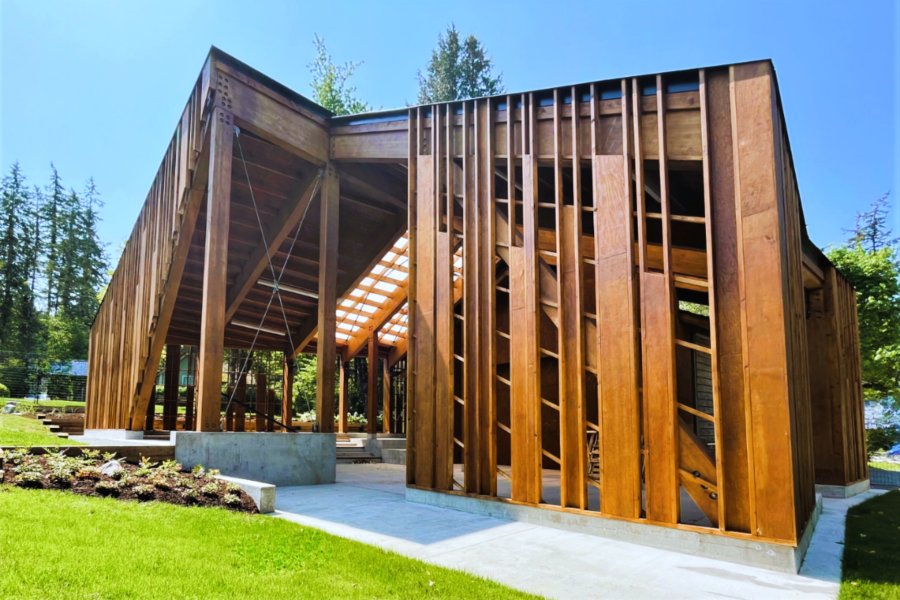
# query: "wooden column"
372 403
151 411
189 409
262 401
170 397
342 401
287 391
239 405
761 267
387 420
215 265
326 352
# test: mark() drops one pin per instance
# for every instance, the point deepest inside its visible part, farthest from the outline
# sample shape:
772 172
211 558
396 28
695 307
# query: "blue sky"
97 86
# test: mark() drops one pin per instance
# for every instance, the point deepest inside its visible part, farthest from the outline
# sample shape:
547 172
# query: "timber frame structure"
605 294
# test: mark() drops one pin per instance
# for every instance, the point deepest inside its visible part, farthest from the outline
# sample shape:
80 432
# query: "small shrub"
145 467
120 475
198 471
161 483
89 473
232 501
210 489
145 492
108 488
190 495
108 456
90 454
233 488
60 477
4 391
169 467
29 479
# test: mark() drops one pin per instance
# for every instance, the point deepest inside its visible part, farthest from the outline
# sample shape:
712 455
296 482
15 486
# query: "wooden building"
605 294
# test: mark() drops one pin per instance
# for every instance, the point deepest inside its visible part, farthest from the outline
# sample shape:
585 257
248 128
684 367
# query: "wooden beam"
278 231
215 273
273 121
328 254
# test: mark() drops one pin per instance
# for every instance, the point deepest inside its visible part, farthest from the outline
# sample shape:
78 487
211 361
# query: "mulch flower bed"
93 475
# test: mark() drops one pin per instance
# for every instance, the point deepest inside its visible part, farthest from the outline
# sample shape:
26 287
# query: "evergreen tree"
52 213
458 70
14 255
330 83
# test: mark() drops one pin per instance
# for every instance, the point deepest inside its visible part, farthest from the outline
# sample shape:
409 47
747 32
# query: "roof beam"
278 231
306 332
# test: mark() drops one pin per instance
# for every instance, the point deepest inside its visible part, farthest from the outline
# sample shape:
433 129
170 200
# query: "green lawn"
35 406
59 545
23 431
872 549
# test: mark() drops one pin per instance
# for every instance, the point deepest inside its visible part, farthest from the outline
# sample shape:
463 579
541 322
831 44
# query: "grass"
23 431
67 546
885 465
871 567
35 406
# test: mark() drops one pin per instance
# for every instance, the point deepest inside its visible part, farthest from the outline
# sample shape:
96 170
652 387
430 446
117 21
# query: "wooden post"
189 409
239 406
262 401
386 420
372 405
170 397
151 411
229 411
270 410
326 352
342 401
215 273
287 391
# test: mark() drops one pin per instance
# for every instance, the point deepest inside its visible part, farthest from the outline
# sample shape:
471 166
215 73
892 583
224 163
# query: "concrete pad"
276 458
113 434
262 493
368 504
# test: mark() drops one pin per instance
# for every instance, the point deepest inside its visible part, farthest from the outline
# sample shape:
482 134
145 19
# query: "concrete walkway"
367 504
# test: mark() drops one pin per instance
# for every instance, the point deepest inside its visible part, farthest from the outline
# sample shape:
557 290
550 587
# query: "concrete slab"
262 493
276 458
367 504
117 435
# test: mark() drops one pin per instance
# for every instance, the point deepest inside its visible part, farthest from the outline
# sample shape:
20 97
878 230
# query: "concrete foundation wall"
277 458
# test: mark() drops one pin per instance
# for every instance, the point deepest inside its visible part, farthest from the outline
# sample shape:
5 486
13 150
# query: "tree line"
52 269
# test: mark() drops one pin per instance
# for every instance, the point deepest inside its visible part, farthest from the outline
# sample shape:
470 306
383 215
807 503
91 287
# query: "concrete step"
393 456
392 443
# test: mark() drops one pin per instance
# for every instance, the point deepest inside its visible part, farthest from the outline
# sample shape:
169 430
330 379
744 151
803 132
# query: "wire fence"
38 378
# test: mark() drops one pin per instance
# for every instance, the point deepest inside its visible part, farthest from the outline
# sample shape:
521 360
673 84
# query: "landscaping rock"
111 467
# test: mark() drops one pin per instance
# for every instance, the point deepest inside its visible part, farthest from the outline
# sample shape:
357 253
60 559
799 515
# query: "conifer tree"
458 70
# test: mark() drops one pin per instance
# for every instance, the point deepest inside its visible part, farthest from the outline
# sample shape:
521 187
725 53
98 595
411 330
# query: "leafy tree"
331 83
869 261
458 70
